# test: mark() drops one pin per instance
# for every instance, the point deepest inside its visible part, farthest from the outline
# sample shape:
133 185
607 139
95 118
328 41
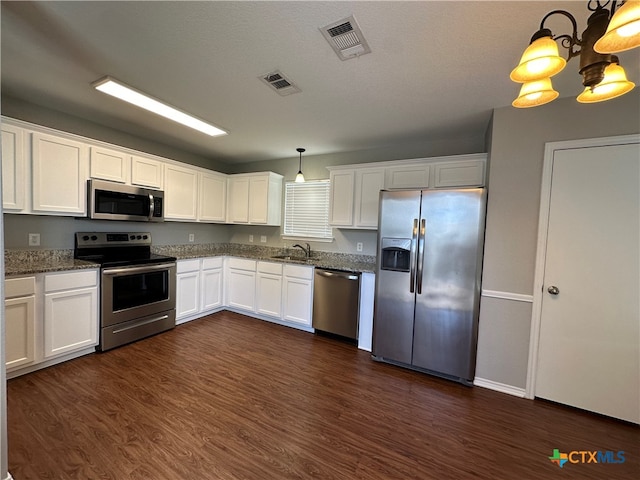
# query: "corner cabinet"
255 198
355 189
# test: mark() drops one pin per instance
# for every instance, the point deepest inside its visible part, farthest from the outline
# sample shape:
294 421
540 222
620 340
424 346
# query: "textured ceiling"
436 70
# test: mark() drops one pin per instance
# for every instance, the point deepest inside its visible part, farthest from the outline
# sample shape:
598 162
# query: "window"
306 210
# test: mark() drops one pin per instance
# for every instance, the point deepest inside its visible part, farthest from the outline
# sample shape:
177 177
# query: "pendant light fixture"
603 77
300 176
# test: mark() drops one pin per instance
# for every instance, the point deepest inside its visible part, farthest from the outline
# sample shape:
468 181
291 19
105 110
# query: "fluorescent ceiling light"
118 89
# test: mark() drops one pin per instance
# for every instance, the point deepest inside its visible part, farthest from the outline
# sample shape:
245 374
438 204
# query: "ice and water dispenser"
396 254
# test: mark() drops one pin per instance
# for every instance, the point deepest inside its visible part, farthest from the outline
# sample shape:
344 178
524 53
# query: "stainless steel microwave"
115 201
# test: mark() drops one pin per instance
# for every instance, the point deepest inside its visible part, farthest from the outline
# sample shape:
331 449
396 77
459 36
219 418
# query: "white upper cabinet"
459 174
59 175
407 176
212 205
107 164
255 198
355 189
342 190
369 182
146 172
13 168
180 193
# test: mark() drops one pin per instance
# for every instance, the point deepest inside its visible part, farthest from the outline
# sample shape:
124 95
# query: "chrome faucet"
307 251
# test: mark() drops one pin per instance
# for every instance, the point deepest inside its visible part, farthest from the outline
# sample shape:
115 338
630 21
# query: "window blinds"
306 209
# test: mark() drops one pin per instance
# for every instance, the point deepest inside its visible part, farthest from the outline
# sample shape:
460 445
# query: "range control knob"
139 237
94 237
145 237
85 237
132 237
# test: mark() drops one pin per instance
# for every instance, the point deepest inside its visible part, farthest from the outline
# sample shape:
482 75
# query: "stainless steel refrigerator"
429 262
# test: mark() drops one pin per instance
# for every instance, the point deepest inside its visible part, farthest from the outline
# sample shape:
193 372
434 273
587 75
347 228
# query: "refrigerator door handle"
412 259
421 254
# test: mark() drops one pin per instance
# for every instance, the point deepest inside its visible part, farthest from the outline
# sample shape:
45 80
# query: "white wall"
518 138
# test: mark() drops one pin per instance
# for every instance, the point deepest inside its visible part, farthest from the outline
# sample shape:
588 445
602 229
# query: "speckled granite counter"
336 261
29 262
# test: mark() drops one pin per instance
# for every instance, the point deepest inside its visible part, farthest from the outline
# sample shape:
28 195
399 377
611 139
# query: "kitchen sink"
293 258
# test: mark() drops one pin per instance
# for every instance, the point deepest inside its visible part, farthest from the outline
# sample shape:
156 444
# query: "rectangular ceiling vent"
346 38
279 82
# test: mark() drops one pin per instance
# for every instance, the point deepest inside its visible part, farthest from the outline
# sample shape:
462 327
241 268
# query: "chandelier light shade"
300 176
540 60
615 83
607 32
533 94
623 32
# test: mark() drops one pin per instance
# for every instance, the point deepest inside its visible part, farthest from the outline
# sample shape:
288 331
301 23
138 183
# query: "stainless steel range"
138 288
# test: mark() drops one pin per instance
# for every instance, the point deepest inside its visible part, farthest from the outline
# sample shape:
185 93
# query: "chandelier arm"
597 4
569 43
574 35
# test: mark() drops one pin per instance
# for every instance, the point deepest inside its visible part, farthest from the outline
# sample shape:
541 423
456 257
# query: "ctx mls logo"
586 456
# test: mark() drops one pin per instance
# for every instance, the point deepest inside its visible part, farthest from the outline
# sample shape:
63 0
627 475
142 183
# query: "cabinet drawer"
298 271
211 262
67 281
242 264
184 266
19 287
270 267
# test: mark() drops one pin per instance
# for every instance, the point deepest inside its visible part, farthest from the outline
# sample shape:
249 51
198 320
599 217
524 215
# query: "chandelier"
608 32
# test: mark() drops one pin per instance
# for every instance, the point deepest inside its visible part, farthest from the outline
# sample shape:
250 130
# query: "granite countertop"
29 262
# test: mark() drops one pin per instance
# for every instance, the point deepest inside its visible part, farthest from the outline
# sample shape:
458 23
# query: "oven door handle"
141 269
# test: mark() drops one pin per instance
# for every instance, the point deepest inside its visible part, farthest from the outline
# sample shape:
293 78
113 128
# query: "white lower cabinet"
70 312
20 322
241 284
269 289
297 294
198 287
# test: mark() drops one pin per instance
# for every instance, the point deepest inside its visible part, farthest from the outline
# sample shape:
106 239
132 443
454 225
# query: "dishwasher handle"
345 275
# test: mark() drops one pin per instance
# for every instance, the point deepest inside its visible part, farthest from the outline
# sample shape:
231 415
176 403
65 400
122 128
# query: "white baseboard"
499 387
8 477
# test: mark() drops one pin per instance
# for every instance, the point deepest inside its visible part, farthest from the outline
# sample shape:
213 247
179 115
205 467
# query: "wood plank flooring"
230 397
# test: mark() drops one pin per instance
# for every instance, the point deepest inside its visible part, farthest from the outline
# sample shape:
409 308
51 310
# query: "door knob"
553 290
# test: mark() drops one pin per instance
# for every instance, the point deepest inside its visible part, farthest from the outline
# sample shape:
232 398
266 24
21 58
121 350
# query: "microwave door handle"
151 206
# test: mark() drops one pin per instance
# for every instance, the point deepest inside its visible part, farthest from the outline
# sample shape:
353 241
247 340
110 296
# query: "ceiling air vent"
346 38
279 83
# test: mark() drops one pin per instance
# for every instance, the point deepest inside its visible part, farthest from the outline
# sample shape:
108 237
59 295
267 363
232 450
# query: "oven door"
137 291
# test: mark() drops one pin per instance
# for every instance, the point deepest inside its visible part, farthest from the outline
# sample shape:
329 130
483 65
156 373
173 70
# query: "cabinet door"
211 289
13 168
70 321
241 289
408 176
341 198
213 198
369 182
110 165
459 174
187 294
238 200
180 193
269 295
258 199
60 172
146 172
20 331
297 298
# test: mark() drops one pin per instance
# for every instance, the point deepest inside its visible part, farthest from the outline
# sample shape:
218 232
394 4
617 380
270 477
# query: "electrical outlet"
359 246
263 239
192 237
250 238
34 239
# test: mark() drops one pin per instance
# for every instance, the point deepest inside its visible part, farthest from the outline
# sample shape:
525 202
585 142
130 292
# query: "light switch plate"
34 239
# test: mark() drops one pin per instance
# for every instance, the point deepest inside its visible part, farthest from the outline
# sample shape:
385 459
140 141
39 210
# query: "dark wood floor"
229 397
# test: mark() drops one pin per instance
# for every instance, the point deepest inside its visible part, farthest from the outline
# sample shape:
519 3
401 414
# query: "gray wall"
57 232
516 159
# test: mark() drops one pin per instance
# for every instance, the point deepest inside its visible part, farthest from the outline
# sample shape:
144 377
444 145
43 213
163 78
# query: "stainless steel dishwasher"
336 300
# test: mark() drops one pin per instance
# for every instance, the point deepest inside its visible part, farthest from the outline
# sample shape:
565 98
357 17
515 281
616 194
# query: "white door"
588 354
